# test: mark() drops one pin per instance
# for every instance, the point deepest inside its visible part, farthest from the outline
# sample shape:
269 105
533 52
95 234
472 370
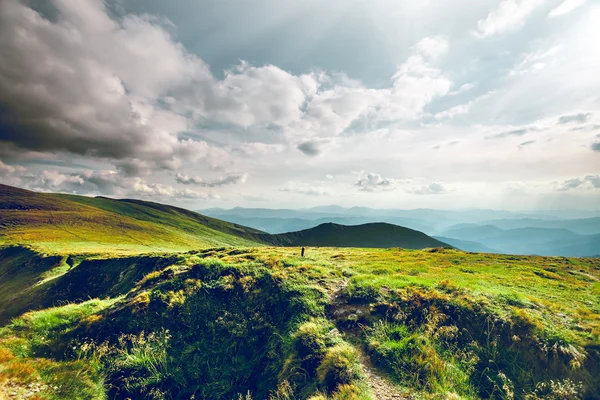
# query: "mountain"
367 235
584 226
466 245
283 225
56 223
472 232
539 241
425 220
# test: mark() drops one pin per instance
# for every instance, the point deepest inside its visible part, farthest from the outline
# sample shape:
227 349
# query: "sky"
447 104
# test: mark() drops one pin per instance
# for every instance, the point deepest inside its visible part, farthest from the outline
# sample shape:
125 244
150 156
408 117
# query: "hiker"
302 254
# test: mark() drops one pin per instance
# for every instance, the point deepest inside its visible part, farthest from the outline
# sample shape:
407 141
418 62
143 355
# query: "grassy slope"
462 323
375 235
62 224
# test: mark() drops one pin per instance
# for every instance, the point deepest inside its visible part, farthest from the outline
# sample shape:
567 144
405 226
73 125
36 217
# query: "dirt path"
381 388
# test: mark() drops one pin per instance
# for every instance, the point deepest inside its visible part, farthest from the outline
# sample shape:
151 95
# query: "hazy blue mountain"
586 246
466 245
541 241
427 220
584 226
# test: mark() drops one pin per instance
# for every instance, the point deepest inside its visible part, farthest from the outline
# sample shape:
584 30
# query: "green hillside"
66 224
374 235
61 224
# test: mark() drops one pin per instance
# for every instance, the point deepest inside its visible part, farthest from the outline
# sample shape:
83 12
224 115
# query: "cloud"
464 88
536 61
454 111
566 7
446 144
305 188
514 132
107 183
596 146
432 188
588 182
580 118
520 131
372 182
527 143
222 181
10 170
509 15
309 148
417 81
254 149
85 83
432 47
133 167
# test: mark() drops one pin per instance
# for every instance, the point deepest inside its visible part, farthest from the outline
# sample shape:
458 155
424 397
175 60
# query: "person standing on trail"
302 253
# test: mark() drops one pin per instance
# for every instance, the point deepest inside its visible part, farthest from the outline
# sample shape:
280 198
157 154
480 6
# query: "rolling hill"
374 235
60 223
55 223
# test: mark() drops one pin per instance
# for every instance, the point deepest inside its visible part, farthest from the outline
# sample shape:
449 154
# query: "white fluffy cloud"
509 14
566 7
370 182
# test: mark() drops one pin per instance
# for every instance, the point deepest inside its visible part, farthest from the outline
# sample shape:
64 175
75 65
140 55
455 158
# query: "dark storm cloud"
576 118
68 85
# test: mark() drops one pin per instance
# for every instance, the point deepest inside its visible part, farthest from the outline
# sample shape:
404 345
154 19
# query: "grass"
67 224
266 323
28 346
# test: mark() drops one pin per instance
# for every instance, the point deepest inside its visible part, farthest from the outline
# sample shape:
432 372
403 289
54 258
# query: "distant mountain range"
553 232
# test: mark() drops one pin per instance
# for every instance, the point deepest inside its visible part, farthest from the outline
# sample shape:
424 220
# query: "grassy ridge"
374 235
65 224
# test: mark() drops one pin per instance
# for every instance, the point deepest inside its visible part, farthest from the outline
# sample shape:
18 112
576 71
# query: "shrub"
362 292
341 365
564 389
348 392
410 357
